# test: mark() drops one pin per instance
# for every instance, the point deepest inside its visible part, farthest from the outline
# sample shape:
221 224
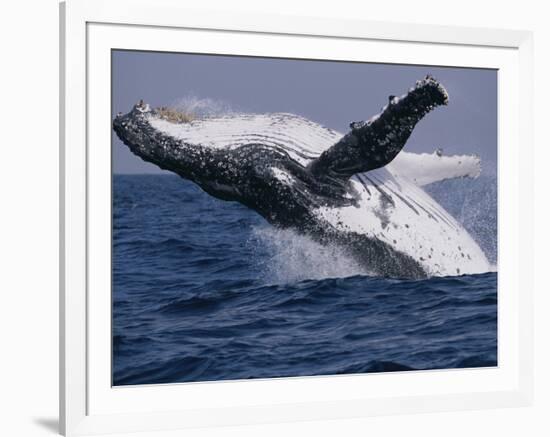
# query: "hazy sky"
330 93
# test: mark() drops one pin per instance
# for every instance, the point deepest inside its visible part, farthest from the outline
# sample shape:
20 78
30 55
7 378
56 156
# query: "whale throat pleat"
301 138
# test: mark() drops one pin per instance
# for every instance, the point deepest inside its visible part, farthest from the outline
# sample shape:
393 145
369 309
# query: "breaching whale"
358 191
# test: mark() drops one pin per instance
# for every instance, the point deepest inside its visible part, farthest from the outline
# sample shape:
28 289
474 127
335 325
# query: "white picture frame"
88 403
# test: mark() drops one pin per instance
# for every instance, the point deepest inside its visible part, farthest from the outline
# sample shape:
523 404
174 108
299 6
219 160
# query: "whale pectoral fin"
374 143
426 168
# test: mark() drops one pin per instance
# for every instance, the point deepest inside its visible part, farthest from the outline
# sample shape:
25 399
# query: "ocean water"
205 290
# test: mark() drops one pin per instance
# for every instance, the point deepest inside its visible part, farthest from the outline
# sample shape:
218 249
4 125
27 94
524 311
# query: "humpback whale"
357 190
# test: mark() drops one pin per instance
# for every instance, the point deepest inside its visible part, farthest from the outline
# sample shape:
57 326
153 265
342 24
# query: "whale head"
135 131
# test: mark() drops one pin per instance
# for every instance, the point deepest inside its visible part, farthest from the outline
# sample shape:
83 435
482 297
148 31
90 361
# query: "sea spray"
473 203
289 257
203 107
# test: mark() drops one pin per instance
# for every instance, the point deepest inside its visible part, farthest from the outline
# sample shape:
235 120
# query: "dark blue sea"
206 290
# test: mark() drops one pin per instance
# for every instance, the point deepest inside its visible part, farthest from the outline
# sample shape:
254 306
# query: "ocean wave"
205 291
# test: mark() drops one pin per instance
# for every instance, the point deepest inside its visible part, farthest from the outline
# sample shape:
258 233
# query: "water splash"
288 257
203 107
473 203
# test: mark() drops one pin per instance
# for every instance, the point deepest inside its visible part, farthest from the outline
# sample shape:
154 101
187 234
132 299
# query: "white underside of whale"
391 205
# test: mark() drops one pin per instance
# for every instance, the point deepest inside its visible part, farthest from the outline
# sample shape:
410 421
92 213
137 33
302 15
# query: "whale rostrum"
359 191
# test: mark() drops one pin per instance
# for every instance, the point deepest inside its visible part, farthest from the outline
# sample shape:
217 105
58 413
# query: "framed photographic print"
278 218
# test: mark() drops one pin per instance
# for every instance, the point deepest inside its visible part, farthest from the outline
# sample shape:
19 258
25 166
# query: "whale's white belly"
401 214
